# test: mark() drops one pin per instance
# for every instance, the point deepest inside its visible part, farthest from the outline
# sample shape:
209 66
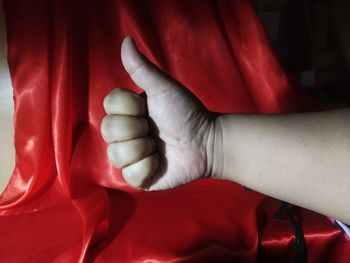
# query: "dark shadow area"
312 41
121 208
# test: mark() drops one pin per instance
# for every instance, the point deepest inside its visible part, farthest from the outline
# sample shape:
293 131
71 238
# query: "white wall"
7 151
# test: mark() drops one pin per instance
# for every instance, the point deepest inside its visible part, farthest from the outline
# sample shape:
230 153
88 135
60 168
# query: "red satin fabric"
66 203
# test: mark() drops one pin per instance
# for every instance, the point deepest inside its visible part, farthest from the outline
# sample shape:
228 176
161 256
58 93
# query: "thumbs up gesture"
161 142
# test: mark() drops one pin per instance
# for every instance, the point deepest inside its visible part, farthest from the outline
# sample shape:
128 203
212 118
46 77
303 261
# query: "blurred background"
312 41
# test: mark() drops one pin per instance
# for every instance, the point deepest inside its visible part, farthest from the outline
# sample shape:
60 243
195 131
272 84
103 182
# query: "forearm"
303 159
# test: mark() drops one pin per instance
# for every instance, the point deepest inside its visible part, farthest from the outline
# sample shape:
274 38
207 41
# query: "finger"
122 154
125 102
139 174
143 72
116 128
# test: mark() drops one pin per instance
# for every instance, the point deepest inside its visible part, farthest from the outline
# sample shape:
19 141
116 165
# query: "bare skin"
177 125
300 158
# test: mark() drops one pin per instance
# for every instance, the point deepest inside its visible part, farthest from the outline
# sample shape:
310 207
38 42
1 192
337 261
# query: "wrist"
215 149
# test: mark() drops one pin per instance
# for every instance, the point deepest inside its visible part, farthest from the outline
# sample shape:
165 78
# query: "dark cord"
300 247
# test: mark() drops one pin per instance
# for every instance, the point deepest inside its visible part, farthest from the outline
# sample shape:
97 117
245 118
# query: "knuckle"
111 152
125 102
126 173
113 155
130 103
134 70
105 127
132 177
106 103
113 98
117 93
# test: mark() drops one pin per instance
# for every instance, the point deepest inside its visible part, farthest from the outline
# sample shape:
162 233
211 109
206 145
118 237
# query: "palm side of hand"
179 124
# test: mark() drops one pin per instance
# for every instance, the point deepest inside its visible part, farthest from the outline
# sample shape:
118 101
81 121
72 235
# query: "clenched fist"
164 140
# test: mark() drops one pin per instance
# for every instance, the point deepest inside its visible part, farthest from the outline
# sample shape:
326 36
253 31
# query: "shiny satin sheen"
66 203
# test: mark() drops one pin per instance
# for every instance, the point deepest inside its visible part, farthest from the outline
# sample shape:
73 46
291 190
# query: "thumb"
143 72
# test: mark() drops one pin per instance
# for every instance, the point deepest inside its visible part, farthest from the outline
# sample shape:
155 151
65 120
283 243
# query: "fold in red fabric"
66 203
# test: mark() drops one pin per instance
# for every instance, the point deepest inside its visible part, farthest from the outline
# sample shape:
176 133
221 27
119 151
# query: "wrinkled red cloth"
66 203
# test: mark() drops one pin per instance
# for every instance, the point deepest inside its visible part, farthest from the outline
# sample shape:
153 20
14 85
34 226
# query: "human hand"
164 141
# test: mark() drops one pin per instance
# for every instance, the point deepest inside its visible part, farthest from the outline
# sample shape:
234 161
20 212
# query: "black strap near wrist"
284 212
